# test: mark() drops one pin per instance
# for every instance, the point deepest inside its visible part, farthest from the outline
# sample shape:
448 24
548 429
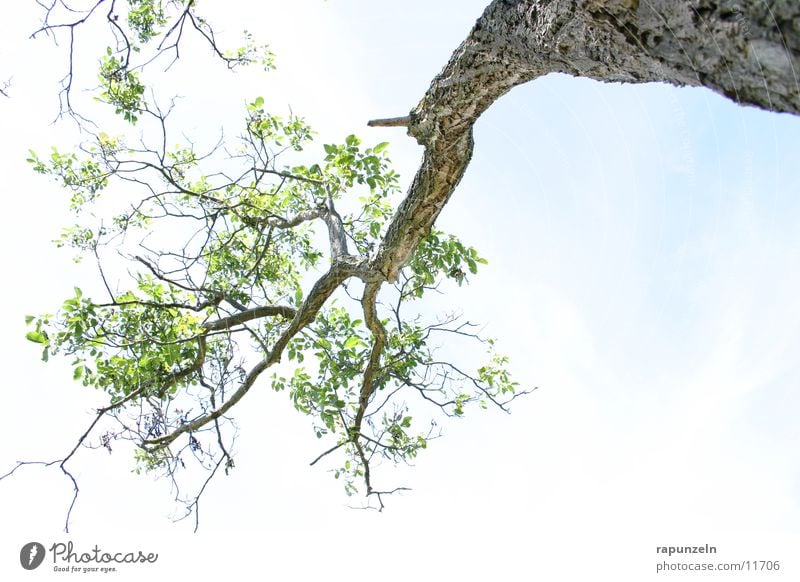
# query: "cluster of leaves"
126 345
83 178
145 19
140 32
437 254
121 86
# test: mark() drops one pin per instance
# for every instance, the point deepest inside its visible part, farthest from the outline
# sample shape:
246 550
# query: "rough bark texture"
748 51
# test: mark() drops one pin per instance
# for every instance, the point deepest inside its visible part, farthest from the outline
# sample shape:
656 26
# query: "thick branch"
300 217
255 313
336 234
746 51
368 303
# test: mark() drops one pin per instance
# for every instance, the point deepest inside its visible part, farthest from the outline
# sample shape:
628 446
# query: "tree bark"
748 51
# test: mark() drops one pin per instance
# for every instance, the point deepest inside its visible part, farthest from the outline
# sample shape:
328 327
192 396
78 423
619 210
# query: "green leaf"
353 342
380 147
36 337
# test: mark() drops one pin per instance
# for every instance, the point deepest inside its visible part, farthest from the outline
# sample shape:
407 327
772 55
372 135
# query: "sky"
642 248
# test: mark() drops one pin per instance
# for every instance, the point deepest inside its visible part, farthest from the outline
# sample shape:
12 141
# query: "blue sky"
642 245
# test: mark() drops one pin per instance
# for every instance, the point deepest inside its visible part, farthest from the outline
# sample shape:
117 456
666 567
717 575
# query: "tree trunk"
747 51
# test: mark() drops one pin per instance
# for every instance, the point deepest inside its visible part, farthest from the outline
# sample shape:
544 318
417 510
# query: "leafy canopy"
215 266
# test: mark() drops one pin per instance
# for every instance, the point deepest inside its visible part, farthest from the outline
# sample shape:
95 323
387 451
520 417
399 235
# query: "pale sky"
643 250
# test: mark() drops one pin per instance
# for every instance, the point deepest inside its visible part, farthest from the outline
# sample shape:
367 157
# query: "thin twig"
403 121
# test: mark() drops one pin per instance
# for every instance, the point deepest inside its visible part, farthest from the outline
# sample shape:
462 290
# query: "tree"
172 334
